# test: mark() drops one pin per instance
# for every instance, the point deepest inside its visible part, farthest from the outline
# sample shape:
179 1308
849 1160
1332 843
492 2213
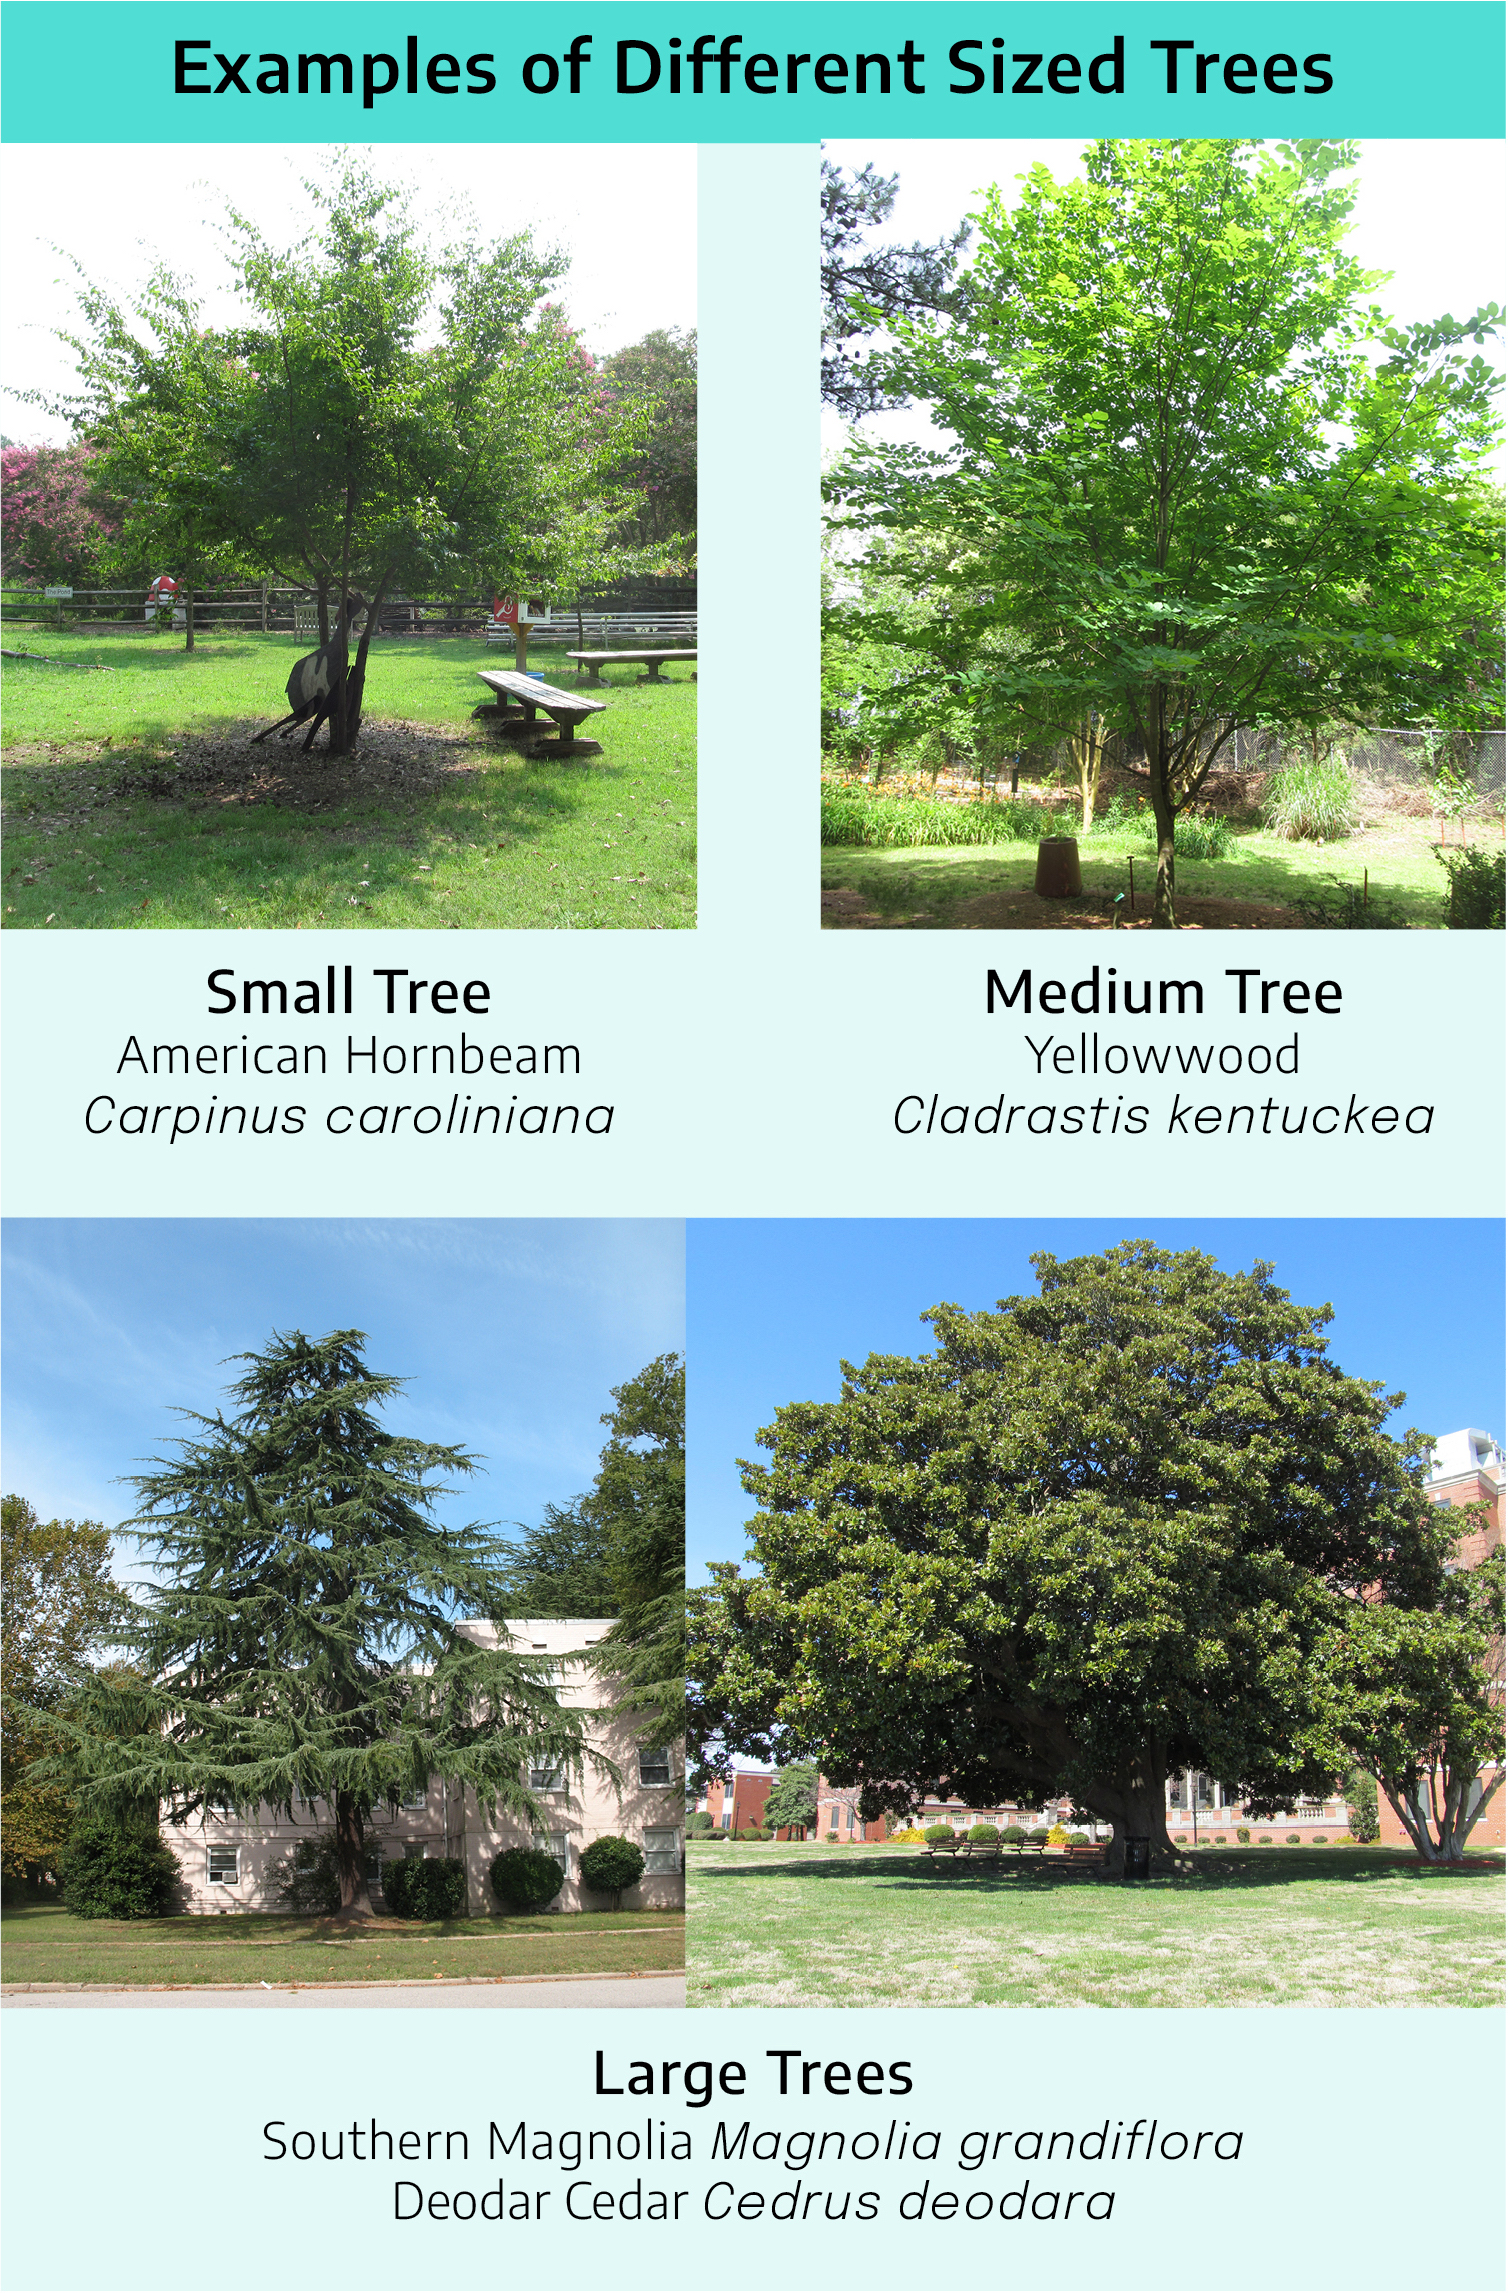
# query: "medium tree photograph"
350 519
1163 560
290 1695
1119 1620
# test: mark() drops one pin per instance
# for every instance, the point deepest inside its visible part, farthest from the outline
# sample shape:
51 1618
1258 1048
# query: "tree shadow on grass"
1253 1871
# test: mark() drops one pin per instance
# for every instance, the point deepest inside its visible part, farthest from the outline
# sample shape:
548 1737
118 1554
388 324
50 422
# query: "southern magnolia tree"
1193 467
387 417
1103 1534
302 1639
792 1803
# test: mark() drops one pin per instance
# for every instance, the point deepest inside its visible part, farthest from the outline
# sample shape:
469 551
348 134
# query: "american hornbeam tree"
385 416
1195 468
1100 1535
302 1637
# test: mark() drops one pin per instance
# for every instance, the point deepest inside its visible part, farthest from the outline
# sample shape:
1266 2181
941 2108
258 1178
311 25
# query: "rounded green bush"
425 1887
1040 1833
1243 1835
1013 1835
610 1864
936 1832
832 1837
110 1872
1295 1839
525 1878
1180 1839
1219 1838
1318 1839
1079 1839
984 1832
1265 1840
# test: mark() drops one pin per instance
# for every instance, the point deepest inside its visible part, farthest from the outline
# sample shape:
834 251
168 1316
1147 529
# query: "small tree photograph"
351 548
1163 581
1091 1619
301 1684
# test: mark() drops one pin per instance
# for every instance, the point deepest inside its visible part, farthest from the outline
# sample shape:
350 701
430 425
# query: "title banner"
462 71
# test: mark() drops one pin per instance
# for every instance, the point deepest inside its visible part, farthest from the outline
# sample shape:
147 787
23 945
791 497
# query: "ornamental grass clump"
1314 802
853 815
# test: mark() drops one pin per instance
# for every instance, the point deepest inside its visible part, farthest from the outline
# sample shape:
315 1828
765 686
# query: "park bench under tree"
595 663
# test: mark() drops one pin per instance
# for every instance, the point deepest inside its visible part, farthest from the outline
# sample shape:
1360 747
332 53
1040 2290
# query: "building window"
654 1767
416 1799
553 1843
662 1851
225 1866
549 1777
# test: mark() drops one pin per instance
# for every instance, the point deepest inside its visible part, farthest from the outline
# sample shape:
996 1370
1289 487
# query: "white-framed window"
553 1843
225 1866
547 1775
654 1767
662 1850
417 1798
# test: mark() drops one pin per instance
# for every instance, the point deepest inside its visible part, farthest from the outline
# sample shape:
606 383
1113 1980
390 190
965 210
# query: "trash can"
1058 875
1138 1859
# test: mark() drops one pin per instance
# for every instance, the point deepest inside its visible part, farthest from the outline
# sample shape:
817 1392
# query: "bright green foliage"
1199 481
985 1832
657 378
304 1635
114 1869
525 1878
610 1864
1094 1538
638 1502
308 1881
935 1833
792 1803
388 418
425 1887
1419 1701
58 1605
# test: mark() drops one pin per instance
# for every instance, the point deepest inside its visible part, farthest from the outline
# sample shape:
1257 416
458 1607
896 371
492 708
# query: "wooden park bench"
943 1846
982 1850
566 710
1086 1851
1034 1846
595 663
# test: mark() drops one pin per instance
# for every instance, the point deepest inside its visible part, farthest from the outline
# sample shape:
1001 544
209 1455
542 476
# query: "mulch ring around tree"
226 767
1022 910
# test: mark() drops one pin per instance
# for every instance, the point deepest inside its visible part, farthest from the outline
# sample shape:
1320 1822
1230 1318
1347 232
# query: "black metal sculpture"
313 682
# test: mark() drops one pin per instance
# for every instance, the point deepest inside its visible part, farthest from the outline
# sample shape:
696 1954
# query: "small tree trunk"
355 1902
187 594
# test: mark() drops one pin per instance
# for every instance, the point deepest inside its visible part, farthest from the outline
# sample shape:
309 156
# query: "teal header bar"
473 71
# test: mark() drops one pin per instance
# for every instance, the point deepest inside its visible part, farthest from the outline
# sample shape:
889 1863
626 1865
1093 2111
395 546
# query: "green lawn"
834 1926
134 800
43 1944
972 887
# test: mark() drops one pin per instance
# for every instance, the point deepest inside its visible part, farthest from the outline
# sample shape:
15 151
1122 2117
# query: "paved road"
589 1990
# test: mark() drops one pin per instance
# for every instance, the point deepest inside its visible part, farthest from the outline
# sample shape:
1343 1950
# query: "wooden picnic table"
595 663
566 711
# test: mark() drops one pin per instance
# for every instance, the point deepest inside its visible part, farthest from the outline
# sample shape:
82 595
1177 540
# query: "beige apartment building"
232 1863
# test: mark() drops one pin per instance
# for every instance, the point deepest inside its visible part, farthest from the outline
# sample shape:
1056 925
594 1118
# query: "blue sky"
510 1332
774 1305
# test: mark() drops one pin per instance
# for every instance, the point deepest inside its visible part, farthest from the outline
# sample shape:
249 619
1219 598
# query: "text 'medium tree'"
302 1639
1107 1532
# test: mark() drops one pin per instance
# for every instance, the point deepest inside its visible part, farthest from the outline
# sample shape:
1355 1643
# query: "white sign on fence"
57 592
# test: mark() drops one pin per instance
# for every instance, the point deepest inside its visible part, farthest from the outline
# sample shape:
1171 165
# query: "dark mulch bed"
227 767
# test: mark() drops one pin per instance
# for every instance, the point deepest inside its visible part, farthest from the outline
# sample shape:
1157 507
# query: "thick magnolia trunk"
355 1902
1134 1804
